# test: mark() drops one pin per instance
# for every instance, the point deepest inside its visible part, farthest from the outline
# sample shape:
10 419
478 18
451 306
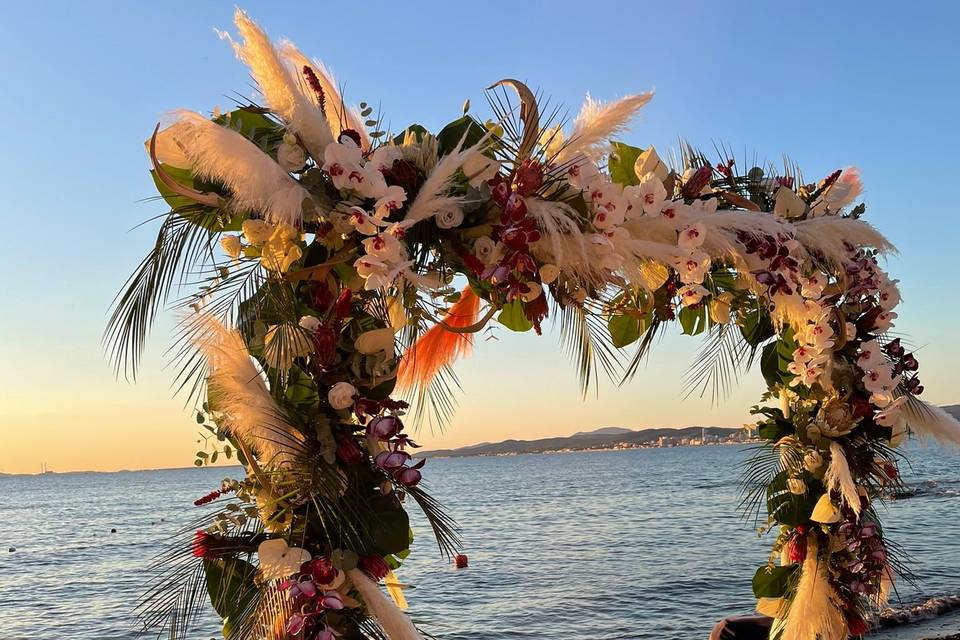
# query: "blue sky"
84 84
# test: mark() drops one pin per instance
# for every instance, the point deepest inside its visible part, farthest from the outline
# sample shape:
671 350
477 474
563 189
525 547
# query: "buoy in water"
461 561
11 549
113 530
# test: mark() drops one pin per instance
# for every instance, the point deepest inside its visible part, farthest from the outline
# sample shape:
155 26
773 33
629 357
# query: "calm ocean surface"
599 546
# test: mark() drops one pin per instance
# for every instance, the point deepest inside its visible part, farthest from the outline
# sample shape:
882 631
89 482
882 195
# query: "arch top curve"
345 270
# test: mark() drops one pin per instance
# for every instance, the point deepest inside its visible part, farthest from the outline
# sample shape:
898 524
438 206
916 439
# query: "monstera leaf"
230 585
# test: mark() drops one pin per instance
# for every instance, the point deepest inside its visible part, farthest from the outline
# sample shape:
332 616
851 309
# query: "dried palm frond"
718 365
445 528
184 242
587 341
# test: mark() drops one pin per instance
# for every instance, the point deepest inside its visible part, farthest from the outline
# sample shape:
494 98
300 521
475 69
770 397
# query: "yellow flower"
231 246
256 232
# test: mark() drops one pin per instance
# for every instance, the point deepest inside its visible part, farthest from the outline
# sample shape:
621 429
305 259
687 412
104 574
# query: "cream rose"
341 395
291 156
449 217
231 246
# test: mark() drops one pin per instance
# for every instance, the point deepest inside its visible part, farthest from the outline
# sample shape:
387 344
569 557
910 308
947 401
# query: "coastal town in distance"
605 439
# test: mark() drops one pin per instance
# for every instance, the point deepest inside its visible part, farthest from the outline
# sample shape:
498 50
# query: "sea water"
614 545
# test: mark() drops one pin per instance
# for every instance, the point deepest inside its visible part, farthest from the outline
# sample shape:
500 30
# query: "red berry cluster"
210 497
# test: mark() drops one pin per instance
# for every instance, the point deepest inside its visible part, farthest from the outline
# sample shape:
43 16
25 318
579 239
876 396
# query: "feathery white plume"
339 116
813 613
279 88
826 235
597 122
930 421
838 478
391 619
432 197
239 393
556 221
257 183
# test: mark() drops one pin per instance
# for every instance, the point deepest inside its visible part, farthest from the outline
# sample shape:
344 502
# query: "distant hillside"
599 439
952 409
604 431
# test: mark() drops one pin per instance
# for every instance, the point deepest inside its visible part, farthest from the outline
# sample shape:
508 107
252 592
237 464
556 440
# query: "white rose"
341 395
485 249
291 156
449 218
549 273
231 246
310 323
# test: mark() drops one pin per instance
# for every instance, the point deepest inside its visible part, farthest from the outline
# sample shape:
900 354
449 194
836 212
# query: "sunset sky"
84 84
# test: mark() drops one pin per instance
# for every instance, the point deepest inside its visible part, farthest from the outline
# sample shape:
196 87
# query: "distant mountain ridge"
603 438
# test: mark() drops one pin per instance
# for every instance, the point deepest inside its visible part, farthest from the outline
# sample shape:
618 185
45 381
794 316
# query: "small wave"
927 488
896 617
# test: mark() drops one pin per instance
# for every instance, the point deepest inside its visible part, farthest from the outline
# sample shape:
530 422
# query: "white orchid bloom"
889 296
693 267
342 162
881 380
812 286
363 222
391 200
692 294
692 236
871 356
651 194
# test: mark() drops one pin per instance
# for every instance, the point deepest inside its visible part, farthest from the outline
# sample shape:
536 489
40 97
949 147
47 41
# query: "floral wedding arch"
354 266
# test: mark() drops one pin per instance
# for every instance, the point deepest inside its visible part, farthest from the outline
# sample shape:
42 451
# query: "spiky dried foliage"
586 340
282 93
717 367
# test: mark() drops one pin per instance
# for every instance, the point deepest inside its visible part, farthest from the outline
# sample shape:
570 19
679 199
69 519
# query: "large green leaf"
389 527
786 507
621 162
230 585
694 321
756 327
450 135
773 582
627 329
513 318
